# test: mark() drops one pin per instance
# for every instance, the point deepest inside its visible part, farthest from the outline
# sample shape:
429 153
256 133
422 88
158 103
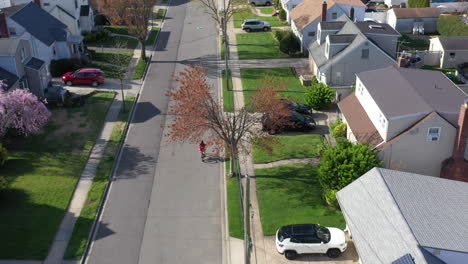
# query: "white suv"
292 240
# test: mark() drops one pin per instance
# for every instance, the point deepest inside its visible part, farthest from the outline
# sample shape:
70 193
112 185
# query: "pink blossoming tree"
22 111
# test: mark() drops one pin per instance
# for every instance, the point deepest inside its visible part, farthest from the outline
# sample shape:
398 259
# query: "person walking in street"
202 149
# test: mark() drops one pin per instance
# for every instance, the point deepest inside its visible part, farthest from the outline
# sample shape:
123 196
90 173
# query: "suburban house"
307 15
20 69
50 39
414 20
404 218
401 3
288 6
452 50
76 14
410 115
343 48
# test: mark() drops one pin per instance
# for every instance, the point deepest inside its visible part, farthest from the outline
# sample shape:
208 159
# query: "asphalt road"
165 204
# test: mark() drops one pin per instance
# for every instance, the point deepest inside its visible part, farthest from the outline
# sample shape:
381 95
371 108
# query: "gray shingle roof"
332 25
454 43
404 91
9 78
8 11
65 11
35 63
376 28
392 213
342 38
40 24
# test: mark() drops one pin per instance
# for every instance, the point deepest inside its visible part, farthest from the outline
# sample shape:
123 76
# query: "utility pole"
225 39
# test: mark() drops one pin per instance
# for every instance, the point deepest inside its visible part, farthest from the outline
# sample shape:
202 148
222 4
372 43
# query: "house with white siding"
411 116
414 20
452 50
406 218
306 16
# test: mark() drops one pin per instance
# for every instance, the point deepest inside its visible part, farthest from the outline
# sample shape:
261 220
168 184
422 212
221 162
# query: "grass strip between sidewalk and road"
292 147
85 221
260 46
252 77
228 96
159 16
236 228
140 69
291 194
44 170
152 36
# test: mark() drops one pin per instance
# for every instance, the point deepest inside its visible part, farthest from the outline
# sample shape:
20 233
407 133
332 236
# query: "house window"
334 15
12 31
23 54
311 34
452 55
46 4
23 84
433 134
76 4
327 49
53 51
78 23
365 54
382 120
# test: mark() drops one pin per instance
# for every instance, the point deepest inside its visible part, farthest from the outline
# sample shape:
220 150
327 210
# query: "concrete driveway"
273 257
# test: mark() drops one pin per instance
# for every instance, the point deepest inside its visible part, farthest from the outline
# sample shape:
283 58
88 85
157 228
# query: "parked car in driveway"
260 2
91 76
293 240
255 24
294 122
297 107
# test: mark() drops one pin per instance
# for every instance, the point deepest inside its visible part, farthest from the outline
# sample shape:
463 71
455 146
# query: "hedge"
59 67
451 26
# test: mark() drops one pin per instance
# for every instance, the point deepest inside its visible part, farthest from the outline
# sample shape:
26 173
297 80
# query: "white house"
288 6
409 115
49 38
405 218
452 50
406 20
306 16
76 14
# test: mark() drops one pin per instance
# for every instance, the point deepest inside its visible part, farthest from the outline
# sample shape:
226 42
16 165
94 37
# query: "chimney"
402 61
3 26
462 135
38 2
351 14
324 11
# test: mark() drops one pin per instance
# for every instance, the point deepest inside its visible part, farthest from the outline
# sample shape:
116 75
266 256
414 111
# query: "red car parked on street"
91 76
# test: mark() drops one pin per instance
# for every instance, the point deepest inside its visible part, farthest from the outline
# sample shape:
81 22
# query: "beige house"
452 50
409 115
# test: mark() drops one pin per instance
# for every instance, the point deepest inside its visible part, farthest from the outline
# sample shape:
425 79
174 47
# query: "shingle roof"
342 38
309 10
376 28
8 11
9 78
8 46
421 12
454 43
332 25
403 91
40 24
359 122
35 63
63 10
392 213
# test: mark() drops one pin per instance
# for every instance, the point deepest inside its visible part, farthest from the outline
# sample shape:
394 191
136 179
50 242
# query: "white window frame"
429 137
334 15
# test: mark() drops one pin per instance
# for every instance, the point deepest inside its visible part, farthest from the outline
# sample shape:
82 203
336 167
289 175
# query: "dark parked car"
295 122
91 76
297 107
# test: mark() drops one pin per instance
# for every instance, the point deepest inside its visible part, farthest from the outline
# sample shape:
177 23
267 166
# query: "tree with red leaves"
198 114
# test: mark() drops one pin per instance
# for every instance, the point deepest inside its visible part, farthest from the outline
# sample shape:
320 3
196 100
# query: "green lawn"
228 96
109 56
267 10
139 70
84 223
408 43
122 30
251 79
247 14
44 170
292 147
111 42
152 36
236 228
291 194
261 45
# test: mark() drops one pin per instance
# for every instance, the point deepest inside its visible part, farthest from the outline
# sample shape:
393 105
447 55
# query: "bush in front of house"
289 44
418 3
95 36
319 96
451 26
282 14
338 129
59 67
279 34
342 164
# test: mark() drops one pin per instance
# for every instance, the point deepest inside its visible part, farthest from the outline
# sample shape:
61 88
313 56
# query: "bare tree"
120 62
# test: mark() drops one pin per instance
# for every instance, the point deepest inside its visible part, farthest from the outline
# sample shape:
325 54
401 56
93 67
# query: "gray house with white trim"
397 217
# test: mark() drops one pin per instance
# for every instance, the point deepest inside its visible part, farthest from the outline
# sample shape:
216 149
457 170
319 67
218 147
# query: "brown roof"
416 12
309 10
359 122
